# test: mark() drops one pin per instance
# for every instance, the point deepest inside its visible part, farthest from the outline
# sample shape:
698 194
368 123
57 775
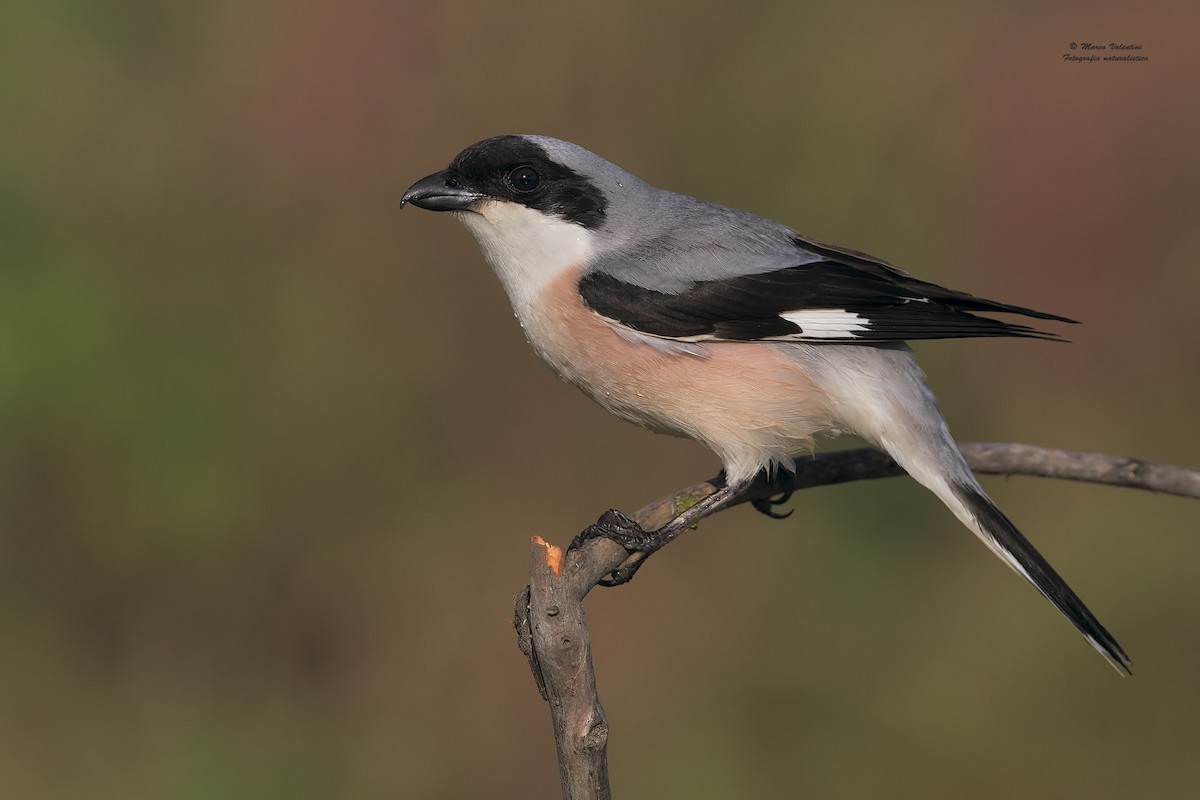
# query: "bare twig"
1046 462
553 634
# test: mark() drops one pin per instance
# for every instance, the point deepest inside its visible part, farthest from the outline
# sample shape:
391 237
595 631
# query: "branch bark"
548 614
553 635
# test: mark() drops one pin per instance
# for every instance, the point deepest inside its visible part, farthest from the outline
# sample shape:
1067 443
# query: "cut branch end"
554 555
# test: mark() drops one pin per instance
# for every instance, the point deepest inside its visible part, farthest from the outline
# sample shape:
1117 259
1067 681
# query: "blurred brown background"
271 449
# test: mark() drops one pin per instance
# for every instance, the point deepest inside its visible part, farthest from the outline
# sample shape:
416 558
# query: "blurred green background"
271 449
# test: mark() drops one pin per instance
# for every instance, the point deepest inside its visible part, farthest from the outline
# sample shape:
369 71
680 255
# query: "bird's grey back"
665 241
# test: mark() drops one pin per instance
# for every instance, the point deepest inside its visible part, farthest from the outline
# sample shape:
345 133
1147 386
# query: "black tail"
1012 545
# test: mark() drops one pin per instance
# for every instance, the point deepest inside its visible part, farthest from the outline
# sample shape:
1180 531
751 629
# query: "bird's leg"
642 543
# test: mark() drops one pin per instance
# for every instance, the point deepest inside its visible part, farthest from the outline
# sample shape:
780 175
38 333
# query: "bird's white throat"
526 248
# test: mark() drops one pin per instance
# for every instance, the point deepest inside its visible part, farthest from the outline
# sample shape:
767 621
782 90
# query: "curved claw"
625 572
618 578
767 506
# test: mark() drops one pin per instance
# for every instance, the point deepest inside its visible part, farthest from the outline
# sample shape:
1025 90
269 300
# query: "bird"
697 320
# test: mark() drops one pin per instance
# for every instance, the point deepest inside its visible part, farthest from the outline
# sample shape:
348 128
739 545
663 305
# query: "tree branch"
553 635
548 614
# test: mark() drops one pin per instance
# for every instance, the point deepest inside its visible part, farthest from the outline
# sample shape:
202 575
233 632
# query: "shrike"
701 321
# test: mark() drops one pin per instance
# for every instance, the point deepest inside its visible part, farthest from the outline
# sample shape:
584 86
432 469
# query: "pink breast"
742 396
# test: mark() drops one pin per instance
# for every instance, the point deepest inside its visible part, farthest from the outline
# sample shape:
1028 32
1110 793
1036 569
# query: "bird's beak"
441 191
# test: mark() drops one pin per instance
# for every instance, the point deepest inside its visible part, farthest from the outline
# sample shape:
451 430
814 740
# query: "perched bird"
702 321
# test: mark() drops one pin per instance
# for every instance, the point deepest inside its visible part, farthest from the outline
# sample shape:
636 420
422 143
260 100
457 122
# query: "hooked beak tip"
441 191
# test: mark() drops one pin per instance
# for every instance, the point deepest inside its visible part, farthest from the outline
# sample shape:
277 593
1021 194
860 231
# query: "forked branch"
548 614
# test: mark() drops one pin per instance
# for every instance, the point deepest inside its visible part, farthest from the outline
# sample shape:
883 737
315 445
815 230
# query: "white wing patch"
827 323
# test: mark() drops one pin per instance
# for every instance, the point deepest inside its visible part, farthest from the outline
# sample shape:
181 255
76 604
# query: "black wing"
846 296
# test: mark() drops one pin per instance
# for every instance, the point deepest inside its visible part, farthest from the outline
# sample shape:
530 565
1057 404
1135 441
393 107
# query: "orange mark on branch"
554 555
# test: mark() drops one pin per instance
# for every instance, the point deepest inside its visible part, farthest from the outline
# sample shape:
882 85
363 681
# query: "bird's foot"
629 534
621 529
767 506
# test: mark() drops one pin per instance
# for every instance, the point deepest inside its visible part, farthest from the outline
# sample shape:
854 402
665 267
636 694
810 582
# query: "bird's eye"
524 179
